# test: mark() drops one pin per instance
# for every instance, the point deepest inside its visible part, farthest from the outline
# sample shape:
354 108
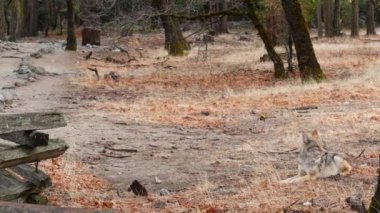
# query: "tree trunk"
371 29
279 69
328 18
175 43
3 26
319 19
355 18
374 207
337 27
31 17
71 39
307 61
222 23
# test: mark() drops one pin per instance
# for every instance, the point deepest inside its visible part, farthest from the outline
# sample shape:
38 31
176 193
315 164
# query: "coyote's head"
313 140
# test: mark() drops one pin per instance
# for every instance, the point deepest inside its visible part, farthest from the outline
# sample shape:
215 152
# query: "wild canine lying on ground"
314 161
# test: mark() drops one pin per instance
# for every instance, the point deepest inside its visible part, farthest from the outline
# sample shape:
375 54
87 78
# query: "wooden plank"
24 154
37 178
30 121
12 187
29 138
9 207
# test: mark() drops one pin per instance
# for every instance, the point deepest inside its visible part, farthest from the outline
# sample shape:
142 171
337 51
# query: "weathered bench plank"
29 138
37 178
12 188
24 154
30 121
8 207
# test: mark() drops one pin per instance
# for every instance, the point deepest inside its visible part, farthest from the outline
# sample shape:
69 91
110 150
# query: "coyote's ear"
305 138
315 133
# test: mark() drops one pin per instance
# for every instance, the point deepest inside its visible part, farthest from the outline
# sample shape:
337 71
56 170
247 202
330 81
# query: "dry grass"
221 91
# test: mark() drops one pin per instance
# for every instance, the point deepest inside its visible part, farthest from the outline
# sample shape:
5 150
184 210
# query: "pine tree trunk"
279 69
374 207
31 17
3 25
355 18
371 29
328 18
307 61
337 27
175 43
319 19
71 39
222 26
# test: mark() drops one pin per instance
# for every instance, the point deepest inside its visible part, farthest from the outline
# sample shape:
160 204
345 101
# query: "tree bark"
371 29
328 18
31 17
307 61
175 43
374 207
71 39
355 18
3 26
222 23
336 24
319 19
279 69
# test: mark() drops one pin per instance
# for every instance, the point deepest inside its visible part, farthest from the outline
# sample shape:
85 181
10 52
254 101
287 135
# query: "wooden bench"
18 179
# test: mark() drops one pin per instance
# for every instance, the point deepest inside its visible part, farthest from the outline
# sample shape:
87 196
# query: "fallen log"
24 154
30 121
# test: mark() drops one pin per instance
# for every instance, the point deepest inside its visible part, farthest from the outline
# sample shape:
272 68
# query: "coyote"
315 162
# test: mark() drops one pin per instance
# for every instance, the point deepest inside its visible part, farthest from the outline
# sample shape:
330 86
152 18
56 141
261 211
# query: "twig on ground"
360 154
94 70
116 156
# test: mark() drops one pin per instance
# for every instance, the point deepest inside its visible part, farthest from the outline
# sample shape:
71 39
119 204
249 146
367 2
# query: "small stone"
307 204
36 55
2 99
46 50
244 38
159 205
158 181
164 192
20 83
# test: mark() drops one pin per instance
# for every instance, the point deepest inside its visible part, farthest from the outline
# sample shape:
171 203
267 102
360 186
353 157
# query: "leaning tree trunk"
175 43
355 18
307 61
319 19
371 18
71 39
279 69
374 207
328 18
336 23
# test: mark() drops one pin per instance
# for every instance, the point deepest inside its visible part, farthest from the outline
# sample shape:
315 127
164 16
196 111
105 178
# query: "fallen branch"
10 56
116 156
96 72
361 153
121 150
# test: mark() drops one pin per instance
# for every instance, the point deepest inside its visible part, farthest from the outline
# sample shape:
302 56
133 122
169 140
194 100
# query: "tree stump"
90 36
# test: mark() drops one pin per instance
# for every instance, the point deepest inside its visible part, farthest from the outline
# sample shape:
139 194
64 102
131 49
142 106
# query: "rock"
307 204
244 38
356 203
38 70
164 192
46 50
138 189
157 180
2 99
159 205
36 55
20 83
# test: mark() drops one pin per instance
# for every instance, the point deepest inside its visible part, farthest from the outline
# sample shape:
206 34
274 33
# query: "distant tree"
355 18
175 43
3 28
328 17
371 29
336 20
319 18
31 18
307 61
71 38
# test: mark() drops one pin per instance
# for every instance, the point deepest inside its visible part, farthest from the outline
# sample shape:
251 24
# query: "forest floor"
216 131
